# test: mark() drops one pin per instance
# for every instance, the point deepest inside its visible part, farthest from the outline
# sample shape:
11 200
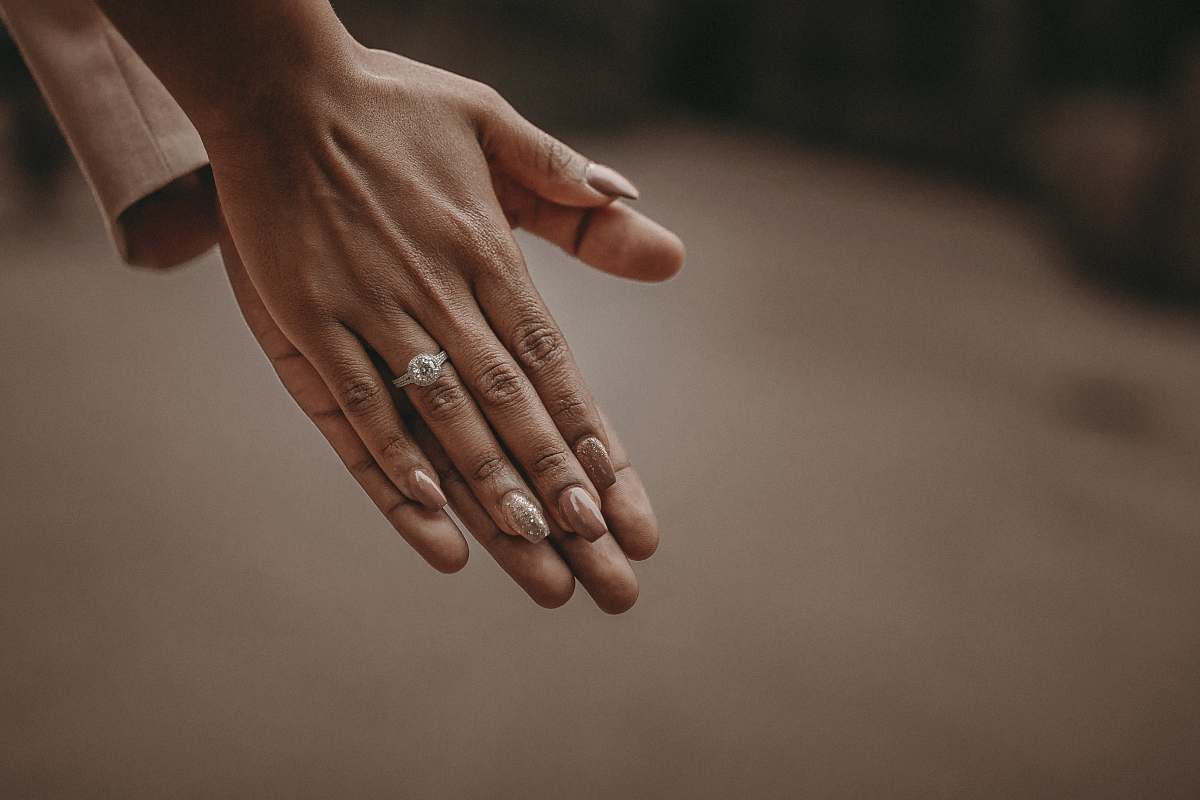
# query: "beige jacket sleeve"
129 135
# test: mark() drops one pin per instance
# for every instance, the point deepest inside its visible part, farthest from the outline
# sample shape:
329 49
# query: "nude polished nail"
524 517
582 513
593 455
426 491
607 180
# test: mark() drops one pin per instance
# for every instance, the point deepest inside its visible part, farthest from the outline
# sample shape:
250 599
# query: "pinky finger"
431 533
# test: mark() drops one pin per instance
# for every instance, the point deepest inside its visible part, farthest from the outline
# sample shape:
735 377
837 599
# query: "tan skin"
368 202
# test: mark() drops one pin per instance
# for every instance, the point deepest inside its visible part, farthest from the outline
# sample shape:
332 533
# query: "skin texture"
367 206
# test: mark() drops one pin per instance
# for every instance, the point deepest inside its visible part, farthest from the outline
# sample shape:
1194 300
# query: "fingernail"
581 511
607 180
426 490
524 516
594 457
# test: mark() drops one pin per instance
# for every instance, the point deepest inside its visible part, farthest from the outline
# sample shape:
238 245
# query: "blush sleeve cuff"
130 137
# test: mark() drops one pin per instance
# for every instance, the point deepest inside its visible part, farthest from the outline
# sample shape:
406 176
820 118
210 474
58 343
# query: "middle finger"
509 401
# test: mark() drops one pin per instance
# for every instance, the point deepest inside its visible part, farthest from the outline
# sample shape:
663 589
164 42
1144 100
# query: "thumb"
543 164
612 237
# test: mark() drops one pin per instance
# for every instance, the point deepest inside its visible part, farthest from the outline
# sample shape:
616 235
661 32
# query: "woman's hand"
370 199
624 242
366 211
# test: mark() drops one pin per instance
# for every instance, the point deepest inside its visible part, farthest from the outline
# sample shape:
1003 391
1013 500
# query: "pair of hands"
376 223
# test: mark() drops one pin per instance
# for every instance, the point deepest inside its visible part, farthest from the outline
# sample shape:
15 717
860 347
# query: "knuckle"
549 463
538 344
307 289
490 99
486 467
442 400
395 447
389 295
483 97
569 408
500 385
553 155
484 246
432 285
391 512
359 394
362 468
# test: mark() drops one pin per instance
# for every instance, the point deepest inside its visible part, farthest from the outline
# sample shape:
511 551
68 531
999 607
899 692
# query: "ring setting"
423 369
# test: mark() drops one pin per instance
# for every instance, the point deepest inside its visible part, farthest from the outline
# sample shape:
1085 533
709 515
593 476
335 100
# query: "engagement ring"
423 370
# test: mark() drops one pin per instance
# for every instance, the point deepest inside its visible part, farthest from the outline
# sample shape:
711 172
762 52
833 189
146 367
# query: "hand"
546 570
610 236
373 216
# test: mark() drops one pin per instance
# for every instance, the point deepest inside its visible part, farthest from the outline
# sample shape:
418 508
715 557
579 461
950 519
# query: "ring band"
423 370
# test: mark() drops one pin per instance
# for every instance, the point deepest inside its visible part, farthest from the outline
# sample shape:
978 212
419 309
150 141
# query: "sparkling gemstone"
424 369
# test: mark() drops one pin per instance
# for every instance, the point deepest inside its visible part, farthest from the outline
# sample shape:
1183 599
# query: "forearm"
228 62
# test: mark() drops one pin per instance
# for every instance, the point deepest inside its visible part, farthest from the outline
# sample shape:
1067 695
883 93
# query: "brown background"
929 514
930 503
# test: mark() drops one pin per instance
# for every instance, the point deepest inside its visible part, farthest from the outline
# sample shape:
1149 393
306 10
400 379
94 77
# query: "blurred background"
940 540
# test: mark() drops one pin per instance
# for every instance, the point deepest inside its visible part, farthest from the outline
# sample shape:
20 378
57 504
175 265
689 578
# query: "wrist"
232 64
282 86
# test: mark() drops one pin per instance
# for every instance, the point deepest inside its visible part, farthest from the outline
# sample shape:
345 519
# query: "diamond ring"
423 370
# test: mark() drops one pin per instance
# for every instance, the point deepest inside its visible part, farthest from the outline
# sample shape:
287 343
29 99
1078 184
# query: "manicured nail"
594 457
607 180
524 517
426 491
581 511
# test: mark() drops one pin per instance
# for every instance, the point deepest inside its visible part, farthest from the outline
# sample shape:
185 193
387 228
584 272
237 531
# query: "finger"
627 509
601 567
614 238
627 244
544 164
362 395
536 568
521 320
508 401
447 406
603 570
431 533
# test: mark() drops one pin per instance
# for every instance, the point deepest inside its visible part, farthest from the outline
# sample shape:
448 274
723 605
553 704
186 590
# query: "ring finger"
450 412
521 421
363 398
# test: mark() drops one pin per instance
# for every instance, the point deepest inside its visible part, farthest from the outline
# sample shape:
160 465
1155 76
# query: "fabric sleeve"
129 135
